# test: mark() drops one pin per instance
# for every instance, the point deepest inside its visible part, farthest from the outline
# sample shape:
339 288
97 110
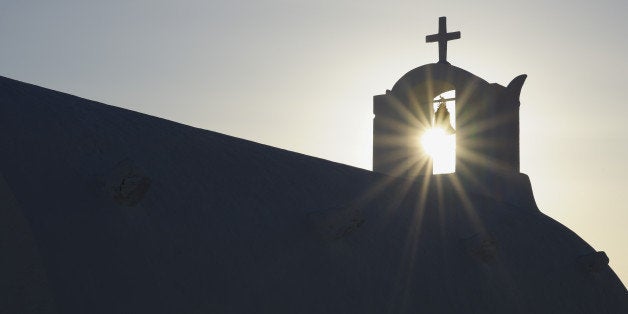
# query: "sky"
300 75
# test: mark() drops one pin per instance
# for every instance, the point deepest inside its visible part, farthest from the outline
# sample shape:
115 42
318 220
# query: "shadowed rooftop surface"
106 210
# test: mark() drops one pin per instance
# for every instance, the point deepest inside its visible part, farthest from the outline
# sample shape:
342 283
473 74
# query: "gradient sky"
300 75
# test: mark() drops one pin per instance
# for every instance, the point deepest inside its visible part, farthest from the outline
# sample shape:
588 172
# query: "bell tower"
486 117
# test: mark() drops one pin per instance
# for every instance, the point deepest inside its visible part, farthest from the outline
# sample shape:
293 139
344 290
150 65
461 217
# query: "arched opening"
439 142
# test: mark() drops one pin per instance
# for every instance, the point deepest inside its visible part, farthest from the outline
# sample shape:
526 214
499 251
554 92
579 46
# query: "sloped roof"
114 211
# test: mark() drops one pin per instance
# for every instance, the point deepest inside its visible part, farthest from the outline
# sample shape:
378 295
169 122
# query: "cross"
442 38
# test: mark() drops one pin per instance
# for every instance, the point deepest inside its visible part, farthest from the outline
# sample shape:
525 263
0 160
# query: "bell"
443 120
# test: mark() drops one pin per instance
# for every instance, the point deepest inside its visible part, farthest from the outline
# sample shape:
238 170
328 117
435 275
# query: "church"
107 210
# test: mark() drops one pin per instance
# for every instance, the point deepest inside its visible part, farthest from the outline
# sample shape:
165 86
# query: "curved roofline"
438 71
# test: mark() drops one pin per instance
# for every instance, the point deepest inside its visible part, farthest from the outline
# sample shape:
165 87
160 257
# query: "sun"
442 148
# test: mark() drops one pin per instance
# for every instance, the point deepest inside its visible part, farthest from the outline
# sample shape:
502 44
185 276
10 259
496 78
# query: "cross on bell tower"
442 38
408 112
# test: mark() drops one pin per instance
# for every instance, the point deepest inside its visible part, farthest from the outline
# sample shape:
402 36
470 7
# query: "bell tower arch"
487 121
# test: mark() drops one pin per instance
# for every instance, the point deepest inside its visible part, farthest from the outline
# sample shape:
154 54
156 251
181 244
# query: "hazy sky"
300 75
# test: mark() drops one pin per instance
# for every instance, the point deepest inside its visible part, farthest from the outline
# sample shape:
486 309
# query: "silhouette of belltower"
487 119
